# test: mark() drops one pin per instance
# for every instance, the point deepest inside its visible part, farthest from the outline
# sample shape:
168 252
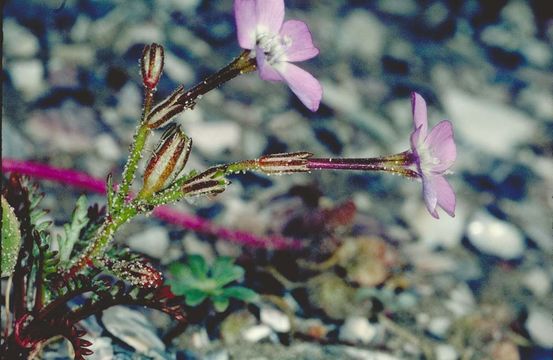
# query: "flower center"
427 161
274 46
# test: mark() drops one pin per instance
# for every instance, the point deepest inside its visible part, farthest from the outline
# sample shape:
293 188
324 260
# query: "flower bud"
167 161
210 182
151 65
284 163
166 109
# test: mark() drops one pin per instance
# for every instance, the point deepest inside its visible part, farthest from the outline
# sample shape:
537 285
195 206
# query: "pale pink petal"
266 71
302 47
430 195
415 136
270 15
303 84
246 22
446 196
418 106
441 145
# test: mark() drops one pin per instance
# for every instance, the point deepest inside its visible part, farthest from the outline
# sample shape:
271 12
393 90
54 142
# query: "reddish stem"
84 181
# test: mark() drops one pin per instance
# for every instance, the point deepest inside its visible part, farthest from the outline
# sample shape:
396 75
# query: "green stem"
139 140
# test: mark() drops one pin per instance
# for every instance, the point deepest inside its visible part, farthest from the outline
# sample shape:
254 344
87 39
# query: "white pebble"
495 237
153 242
540 327
277 320
358 329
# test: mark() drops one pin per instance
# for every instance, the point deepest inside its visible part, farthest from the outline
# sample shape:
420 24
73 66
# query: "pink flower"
433 153
276 45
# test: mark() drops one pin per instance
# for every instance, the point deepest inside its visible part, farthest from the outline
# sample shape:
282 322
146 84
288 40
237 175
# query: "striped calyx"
167 160
167 109
210 182
284 163
151 65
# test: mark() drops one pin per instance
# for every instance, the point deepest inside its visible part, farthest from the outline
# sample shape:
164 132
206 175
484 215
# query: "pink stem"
166 213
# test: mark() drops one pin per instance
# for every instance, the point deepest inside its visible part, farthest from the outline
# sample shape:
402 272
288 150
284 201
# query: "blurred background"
475 286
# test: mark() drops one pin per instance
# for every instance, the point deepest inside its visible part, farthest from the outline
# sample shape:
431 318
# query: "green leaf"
240 293
230 274
11 238
195 297
220 303
198 266
79 219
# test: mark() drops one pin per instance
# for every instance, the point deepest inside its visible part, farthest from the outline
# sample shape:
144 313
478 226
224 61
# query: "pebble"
445 352
217 355
177 70
476 117
22 43
257 333
461 300
495 237
439 326
357 329
538 282
107 148
540 327
27 76
102 347
214 137
153 241
276 319
361 22
445 233
132 328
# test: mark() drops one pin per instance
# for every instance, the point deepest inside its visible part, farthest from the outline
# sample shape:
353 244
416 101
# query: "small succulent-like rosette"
151 65
167 109
210 182
167 160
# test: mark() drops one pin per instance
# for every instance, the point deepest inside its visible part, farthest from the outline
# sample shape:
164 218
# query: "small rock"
107 147
538 281
132 328
277 320
361 22
28 77
102 347
398 7
178 70
22 42
256 333
495 237
214 137
461 301
505 350
234 324
439 326
476 117
446 352
358 329
217 355
540 327
153 242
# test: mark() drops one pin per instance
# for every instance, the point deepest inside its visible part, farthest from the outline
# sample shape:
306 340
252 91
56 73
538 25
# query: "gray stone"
153 242
357 329
132 328
495 237
18 40
540 327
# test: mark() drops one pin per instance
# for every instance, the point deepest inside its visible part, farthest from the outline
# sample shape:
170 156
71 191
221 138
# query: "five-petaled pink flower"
276 45
434 152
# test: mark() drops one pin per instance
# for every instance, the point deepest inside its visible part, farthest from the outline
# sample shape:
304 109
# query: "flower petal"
270 15
302 47
420 119
246 22
303 84
415 136
430 195
446 195
441 145
266 71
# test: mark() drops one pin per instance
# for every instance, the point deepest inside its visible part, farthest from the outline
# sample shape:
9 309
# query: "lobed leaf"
11 238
